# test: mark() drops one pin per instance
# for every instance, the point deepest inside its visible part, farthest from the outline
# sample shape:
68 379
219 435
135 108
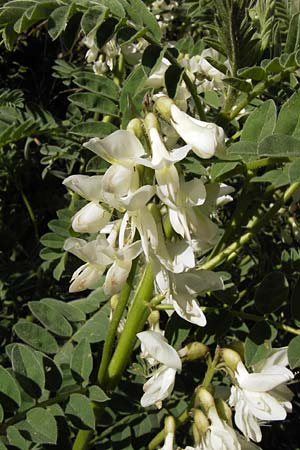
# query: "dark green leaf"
288 119
51 318
82 361
172 78
273 66
80 411
139 13
294 171
16 439
59 227
152 55
94 102
36 336
258 344
293 38
58 20
53 373
131 105
92 18
29 372
1 413
277 177
239 84
222 168
260 123
93 129
294 352
70 312
99 84
96 394
279 145
295 300
256 73
10 396
106 31
271 293
177 331
43 425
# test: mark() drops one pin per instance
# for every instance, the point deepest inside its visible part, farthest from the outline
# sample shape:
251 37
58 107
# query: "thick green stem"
122 299
137 317
256 225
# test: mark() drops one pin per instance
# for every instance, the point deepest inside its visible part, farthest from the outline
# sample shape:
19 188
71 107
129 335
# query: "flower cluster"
143 205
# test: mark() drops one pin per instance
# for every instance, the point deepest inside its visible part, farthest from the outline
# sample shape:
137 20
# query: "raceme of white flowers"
143 205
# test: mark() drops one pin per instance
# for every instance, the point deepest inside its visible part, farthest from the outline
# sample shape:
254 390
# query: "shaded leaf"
294 171
93 129
279 145
79 410
288 119
58 20
99 84
272 292
258 345
10 396
294 352
70 312
29 372
82 361
260 123
295 300
94 330
172 78
94 102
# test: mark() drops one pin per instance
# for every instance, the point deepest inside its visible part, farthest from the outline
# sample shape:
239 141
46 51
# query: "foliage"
53 99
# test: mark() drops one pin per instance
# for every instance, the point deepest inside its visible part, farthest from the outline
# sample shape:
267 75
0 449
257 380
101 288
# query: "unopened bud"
151 121
153 319
238 346
136 127
170 425
231 358
224 411
201 421
204 399
194 350
114 302
163 106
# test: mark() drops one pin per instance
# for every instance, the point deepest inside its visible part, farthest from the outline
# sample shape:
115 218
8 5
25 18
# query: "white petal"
139 198
87 187
159 387
86 277
195 192
119 147
116 277
264 406
117 180
130 252
90 219
205 138
244 419
189 310
263 381
157 347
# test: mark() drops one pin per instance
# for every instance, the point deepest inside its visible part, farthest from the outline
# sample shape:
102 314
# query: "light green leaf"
294 352
80 411
60 227
43 425
256 73
36 336
94 330
60 267
271 293
277 177
222 168
243 148
92 302
1 414
260 123
70 312
51 318
99 84
93 129
10 396
288 120
16 439
279 145
96 394
92 18
94 102
52 240
29 372
139 13
58 20
131 105
82 361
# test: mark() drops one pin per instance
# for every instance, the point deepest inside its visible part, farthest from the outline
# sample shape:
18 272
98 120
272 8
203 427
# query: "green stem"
122 299
137 317
31 214
256 225
158 439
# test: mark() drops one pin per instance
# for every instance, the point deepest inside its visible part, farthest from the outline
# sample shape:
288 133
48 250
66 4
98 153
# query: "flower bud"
163 106
193 350
170 425
90 219
153 320
224 411
135 127
231 358
204 399
151 121
201 421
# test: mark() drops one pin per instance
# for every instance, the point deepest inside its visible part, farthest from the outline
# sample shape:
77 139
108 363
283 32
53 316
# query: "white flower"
205 138
261 395
161 384
157 77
